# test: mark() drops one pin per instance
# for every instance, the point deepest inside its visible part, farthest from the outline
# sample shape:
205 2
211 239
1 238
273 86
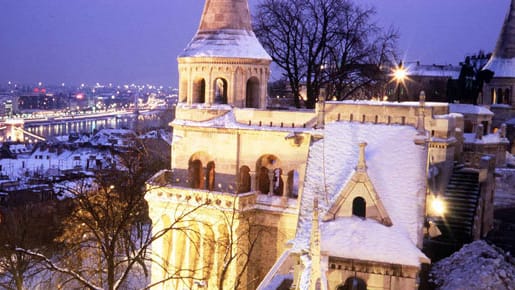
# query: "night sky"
137 41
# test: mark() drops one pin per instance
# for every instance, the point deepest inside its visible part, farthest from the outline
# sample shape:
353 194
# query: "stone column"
271 179
286 186
189 89
252 180
209 92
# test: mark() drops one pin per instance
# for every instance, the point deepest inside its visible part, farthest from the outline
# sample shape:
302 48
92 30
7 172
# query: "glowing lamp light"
438 206
400 73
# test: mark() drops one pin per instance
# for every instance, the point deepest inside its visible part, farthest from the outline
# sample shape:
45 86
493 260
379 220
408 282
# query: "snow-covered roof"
106 137
396 167
229 43
502 61
486 139
353 238
228 120
469 109
502 67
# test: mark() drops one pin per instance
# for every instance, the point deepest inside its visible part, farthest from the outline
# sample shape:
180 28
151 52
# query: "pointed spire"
502 61
505 47
315 249
225 30
362 165
225 14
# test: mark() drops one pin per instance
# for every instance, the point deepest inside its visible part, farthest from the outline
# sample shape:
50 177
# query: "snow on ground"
476 266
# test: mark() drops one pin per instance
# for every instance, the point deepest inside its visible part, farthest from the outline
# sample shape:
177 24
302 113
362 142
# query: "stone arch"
359 207
263 180
353 283
199 91
252 93
220 90
265 167
196 175
244 179
210 176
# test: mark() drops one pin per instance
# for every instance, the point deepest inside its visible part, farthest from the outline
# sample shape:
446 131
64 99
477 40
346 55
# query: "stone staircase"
461 200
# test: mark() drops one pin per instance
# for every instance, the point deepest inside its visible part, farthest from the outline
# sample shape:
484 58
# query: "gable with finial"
359 197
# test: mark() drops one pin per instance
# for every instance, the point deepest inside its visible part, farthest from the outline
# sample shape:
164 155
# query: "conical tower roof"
502 62
225 30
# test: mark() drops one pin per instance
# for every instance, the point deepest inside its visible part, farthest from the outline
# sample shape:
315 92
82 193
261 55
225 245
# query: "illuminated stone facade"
256 198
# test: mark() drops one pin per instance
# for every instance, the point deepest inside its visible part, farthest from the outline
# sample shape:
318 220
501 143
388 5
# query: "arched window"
507 96
353 283
278 182
252 94
359 207
210 173
244 180
199 91
220 91
263 180
195 174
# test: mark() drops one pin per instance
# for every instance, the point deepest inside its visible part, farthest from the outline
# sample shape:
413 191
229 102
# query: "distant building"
499 93
432 79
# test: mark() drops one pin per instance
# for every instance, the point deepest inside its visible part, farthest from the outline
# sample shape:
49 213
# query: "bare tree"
243 235
323 43
30 226
106 237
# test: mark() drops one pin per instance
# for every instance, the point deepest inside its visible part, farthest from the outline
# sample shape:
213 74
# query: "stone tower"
502 63
224 63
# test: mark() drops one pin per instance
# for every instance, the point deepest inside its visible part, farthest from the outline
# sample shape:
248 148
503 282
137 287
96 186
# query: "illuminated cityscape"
292 145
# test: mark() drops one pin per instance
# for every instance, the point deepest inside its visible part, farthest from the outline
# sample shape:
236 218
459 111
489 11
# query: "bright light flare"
400 74
438 206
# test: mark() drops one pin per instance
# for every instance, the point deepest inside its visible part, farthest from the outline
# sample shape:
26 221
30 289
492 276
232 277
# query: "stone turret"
502 63
224 63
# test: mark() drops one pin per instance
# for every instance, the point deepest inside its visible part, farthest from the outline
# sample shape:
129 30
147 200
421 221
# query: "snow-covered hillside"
476 266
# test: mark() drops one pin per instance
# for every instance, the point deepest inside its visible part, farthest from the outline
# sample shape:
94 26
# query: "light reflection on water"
128 121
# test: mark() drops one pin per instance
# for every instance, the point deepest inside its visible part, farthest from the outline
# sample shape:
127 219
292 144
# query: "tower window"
252 95
220 91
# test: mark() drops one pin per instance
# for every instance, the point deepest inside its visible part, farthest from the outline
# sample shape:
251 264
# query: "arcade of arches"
268 177
241 85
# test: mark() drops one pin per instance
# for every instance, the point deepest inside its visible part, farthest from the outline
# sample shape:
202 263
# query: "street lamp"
400 74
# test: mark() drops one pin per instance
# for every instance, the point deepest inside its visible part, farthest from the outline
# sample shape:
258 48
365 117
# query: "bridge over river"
34 129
